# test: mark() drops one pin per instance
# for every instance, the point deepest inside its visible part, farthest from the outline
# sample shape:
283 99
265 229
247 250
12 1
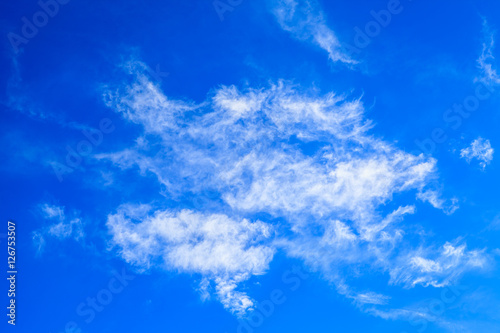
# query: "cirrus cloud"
305 160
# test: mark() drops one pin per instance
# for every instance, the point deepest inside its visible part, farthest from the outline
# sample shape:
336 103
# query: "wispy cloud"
18 100
433 196
304 20
61 227
486 61
425 266
303 158
480 149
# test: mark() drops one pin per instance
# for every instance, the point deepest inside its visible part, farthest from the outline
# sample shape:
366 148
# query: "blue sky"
252 166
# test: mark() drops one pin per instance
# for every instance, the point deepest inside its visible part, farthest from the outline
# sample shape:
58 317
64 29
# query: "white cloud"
304 20
224 251
52 212
293 154
39 242
480 149
486 61
437 268
371 298
433 197
61 228
420 318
